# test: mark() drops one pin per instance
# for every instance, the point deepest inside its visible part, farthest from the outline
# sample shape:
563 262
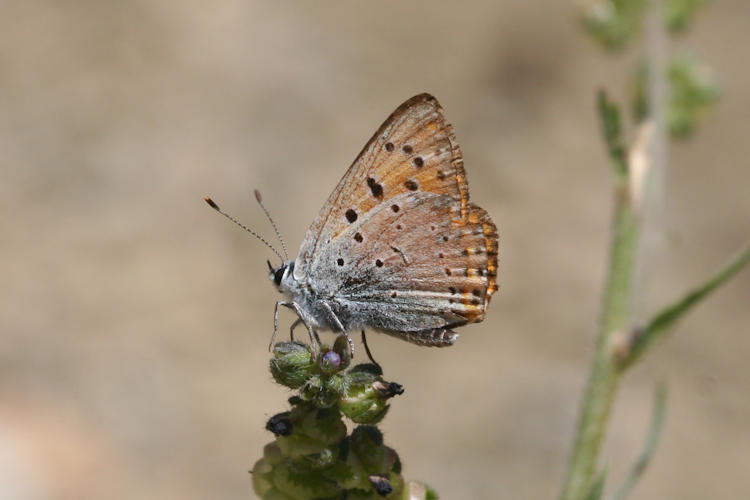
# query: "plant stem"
627 268
652 183
605 376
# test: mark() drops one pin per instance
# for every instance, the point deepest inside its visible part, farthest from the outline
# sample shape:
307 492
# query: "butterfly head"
281 275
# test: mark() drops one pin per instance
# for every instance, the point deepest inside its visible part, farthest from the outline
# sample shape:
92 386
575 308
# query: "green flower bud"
311 387
312 457
272 453
361 494
324 398
320 460
276 495
337 384
318 390
367 368
397 483
363 404
367 444
292 364
301 482
355 477
324 425
364 407
341 347
261 477
298 445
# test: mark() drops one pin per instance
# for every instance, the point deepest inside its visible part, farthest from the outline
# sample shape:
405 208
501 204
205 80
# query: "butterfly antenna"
222 212
278 234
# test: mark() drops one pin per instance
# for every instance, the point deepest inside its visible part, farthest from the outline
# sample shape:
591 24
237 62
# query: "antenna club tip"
258 197
211 203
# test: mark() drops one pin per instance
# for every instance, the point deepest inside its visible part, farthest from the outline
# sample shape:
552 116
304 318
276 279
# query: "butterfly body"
397 247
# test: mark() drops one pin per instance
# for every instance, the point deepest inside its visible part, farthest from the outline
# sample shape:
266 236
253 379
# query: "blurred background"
134 320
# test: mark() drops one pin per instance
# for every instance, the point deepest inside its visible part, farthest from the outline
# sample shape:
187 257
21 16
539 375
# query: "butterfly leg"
317 339
295 307
369 354
291 328
340 326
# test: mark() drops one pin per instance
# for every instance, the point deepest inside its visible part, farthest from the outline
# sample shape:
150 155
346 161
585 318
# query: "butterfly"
398 247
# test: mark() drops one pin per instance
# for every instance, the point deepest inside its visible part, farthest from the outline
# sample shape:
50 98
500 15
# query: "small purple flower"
331 361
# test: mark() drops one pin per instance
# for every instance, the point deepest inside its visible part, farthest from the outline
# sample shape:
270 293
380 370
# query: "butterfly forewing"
414 150
398 240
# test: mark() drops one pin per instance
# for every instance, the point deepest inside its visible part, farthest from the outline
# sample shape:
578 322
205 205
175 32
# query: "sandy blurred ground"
134 321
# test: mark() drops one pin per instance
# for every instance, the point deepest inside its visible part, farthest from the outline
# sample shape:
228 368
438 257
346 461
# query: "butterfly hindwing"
413 269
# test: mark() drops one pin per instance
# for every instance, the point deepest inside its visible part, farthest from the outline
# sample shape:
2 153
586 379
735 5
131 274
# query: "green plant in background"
668 99
313 455
678 13
692 92
614 23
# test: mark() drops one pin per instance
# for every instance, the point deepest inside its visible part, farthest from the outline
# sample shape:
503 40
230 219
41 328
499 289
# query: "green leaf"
660 324
691 91
649 447
613 23
678 13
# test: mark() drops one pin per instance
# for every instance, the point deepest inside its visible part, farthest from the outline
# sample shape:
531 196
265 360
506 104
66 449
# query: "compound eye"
278 274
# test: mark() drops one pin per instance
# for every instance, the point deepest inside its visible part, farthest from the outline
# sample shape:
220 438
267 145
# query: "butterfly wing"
398 241
415 269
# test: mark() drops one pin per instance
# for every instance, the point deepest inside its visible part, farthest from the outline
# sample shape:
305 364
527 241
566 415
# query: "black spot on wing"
375 187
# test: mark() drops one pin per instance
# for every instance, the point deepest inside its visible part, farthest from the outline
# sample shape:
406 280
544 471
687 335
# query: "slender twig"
651 183
597 489
617 313
604 376
649 447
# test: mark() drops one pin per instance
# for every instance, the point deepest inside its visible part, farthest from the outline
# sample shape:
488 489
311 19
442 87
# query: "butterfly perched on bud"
397 247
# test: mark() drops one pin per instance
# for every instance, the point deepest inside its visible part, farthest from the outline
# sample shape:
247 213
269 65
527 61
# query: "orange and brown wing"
413 150
413 269
413 157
